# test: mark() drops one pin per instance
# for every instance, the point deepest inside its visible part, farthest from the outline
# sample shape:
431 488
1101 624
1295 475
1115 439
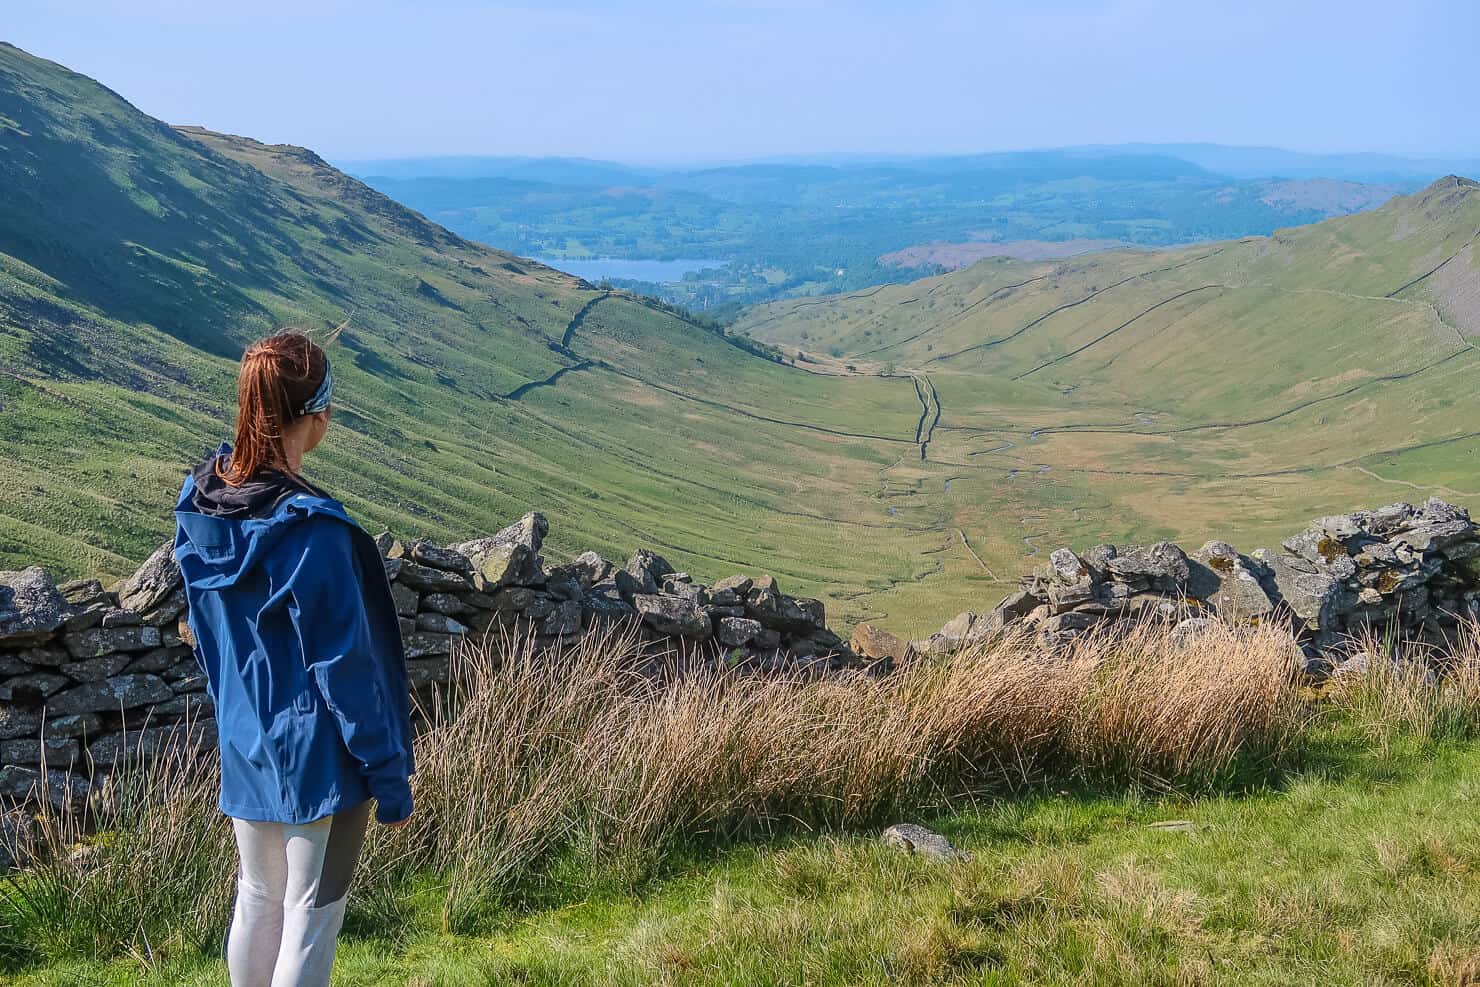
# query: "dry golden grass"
611 755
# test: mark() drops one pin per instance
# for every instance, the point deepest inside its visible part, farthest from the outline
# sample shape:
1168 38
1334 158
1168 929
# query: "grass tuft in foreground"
594 818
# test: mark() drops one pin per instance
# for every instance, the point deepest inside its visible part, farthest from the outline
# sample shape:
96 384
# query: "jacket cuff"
393 806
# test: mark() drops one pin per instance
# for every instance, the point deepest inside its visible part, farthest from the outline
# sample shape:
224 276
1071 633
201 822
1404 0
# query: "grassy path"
1356 869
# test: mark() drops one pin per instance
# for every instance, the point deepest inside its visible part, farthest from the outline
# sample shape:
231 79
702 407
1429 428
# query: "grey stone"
429 580
93 669
673 616
407 600
1072 621
83 592
1066 567
33 688
1064 596
513 599
157 660
62 789
91 615
31 609
510 557
18 722
440 623
1315 597
156 579
737 632
959 626
18 839
1018 605
604 603
422 645
1434 536
590 569
29 752
100 641
151 743
186 704
427 554
166 612
1228 582
652 563
629 585
444 603
563 585
739 585
1163 566
564 619
926 843
119 617
111 695
426 672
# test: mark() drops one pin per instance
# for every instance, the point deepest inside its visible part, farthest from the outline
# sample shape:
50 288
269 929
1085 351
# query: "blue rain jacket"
297 634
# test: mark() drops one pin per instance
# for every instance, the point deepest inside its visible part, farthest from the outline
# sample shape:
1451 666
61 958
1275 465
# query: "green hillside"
136 260
1231 389
1220 390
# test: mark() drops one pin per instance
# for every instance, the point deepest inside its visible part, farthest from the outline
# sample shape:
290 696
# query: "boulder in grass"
918 840
31 608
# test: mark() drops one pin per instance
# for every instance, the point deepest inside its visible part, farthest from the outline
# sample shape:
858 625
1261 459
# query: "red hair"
278 375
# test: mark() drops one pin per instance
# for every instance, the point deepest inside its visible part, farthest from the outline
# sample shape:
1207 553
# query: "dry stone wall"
1400 572
89 673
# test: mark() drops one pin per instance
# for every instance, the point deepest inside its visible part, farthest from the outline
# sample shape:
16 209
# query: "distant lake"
657 271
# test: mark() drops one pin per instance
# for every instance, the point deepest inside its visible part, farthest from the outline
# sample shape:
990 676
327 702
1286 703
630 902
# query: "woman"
297 633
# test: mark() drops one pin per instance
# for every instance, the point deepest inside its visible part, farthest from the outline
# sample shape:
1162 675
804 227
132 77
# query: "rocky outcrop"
1405 572
88 675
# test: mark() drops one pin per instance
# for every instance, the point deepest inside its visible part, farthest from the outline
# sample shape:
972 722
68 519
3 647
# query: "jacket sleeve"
343 660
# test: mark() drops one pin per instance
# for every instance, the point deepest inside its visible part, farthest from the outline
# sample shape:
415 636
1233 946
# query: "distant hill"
1119 393
1274 162
929 440
136 261
773 229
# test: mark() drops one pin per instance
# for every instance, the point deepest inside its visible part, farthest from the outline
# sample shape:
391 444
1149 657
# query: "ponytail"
278 376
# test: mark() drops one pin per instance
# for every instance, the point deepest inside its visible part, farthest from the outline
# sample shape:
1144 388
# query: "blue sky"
736 78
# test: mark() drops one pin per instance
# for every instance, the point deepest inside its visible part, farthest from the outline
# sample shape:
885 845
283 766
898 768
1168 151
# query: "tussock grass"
603 759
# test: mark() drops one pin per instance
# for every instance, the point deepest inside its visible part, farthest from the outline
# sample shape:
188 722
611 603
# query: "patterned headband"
323 396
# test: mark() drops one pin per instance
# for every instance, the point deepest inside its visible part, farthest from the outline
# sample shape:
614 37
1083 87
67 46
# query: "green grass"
136 261
1358 868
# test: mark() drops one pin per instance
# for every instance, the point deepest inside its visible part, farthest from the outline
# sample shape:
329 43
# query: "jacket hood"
231 529
255 498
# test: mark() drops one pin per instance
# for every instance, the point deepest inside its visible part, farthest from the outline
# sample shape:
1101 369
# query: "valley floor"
1360 867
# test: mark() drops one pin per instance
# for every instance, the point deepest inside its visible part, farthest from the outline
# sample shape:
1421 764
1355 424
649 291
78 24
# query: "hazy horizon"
661 82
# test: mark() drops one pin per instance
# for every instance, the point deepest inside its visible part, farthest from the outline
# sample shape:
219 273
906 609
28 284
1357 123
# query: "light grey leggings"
290 897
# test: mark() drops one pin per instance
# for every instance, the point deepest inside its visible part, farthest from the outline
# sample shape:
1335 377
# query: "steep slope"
1129 393
136 260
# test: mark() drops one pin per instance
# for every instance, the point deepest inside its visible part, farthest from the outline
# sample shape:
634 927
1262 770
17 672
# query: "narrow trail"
549 381
1104 336
966 544
1421 488
988 344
